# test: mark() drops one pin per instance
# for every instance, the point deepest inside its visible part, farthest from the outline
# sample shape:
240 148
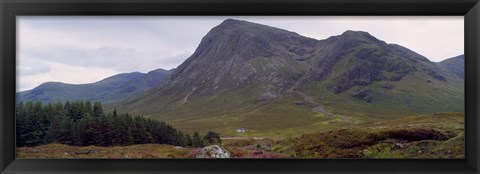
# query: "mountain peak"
245 39
355 33
358 34
234 23
50 84
160 71
238 22
231 21
235 26
362 36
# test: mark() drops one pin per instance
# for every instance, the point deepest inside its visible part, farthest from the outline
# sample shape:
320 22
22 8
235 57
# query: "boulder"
214 151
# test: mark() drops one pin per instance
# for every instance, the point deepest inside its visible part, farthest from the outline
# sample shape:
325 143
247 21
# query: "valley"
426 136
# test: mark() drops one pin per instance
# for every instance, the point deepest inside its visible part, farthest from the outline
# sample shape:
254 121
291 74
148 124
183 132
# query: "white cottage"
241 130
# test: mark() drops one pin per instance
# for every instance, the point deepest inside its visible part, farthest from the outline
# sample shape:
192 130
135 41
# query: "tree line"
79 123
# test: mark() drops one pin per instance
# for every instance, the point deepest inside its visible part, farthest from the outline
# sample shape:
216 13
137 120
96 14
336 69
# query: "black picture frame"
9 9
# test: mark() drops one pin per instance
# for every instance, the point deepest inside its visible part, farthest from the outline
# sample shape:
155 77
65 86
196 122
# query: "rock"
270 93
264 145
385 86
214 151
388 86
434 74
361 94
300 103
397 77
399 146
358 74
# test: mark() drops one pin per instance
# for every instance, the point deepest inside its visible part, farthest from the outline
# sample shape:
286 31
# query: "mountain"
108 90
455 65
258 77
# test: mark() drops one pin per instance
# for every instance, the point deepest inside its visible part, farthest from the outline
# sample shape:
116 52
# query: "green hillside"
455 65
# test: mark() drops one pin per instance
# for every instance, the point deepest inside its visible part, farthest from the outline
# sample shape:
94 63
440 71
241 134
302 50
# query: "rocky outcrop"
362 94
359 74
434 74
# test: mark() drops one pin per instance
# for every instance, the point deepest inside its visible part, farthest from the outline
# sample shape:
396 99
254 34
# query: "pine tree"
37 125
88 108
67 107
129 137
58 109
25 128
197 141
21 124
48 111
106 130
189 140
97 110
139 132
76 111
66 132
182 139
90 130
77 134
118 130
54 131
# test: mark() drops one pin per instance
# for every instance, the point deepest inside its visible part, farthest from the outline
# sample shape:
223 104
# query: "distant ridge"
108 90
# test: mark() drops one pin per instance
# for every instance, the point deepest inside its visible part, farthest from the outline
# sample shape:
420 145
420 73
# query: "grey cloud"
33 70
28 67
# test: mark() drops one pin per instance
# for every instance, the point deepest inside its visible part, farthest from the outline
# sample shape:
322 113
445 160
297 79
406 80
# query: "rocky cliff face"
241 66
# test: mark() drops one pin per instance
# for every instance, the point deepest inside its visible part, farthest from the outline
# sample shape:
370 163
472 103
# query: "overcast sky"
87 49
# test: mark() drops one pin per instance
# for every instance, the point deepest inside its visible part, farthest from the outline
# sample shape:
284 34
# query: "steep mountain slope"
110 89
455 65
250 75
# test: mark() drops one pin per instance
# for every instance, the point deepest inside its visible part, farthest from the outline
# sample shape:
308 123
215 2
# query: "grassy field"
275 120
421 136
